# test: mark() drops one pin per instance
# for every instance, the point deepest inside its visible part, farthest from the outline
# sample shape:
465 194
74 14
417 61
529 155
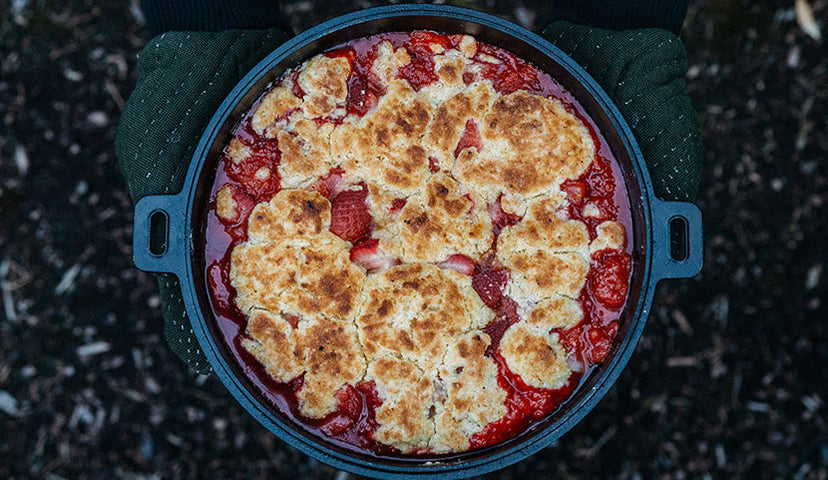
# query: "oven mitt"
182 79
643 71
184 76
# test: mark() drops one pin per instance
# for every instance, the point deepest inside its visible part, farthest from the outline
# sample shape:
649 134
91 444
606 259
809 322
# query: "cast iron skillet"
666 236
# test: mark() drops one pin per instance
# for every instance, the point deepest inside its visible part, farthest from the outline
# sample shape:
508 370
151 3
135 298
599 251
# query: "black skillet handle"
677 239
159 237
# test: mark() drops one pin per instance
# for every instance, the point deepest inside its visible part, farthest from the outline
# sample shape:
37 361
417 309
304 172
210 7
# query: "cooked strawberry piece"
296 88
610 277
420 71
331 184
369 391
292 319
433 165
320 188
470 138
569 338
368 255
575 190
350 219
368 422
600 209
350 402
363 93
505 316
396 205
218 275
236 225
427 38
572 339
511 74
258 173
347 53
350 408
489 285
599 342
364 87
297 383
337 424
611 329
459 262
600 179
500 218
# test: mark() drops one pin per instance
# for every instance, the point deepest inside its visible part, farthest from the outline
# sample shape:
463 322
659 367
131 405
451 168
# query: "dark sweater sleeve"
212 15
623 14
216 15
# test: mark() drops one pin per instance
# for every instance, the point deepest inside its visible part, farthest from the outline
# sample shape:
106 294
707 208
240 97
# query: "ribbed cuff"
624 14
211 15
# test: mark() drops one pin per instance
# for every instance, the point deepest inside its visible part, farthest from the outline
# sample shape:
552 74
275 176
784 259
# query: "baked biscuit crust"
473 268
414 311
537 357
473 397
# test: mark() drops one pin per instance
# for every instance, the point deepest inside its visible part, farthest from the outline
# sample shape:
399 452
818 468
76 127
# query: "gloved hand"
182 79
642 71
184 76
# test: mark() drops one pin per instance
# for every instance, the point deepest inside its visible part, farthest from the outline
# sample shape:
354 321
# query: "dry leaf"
806 21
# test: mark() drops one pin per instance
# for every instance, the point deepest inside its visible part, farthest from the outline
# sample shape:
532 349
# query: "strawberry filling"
420 71
501 219
489 282
524 405
511 74
355 416
469 139
434 165
458 262
369 256
396 205
611 280
236 226
331 184
591 197
258 174
364 87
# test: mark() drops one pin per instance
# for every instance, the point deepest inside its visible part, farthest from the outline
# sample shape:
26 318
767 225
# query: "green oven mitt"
182 79
184 76
643 71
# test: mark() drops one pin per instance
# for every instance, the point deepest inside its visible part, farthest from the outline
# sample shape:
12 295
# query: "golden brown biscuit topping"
421 242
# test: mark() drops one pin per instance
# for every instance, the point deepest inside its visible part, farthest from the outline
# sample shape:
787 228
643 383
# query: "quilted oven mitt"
184 76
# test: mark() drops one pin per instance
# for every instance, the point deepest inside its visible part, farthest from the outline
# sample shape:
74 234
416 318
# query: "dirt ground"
728 381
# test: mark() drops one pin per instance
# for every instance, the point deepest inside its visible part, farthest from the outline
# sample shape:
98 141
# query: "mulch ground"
728 380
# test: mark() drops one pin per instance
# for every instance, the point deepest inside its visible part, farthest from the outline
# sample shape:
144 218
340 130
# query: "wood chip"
8 301
68 280
8 404
94 348
806 21
681 320
676 362
813 277
21 160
